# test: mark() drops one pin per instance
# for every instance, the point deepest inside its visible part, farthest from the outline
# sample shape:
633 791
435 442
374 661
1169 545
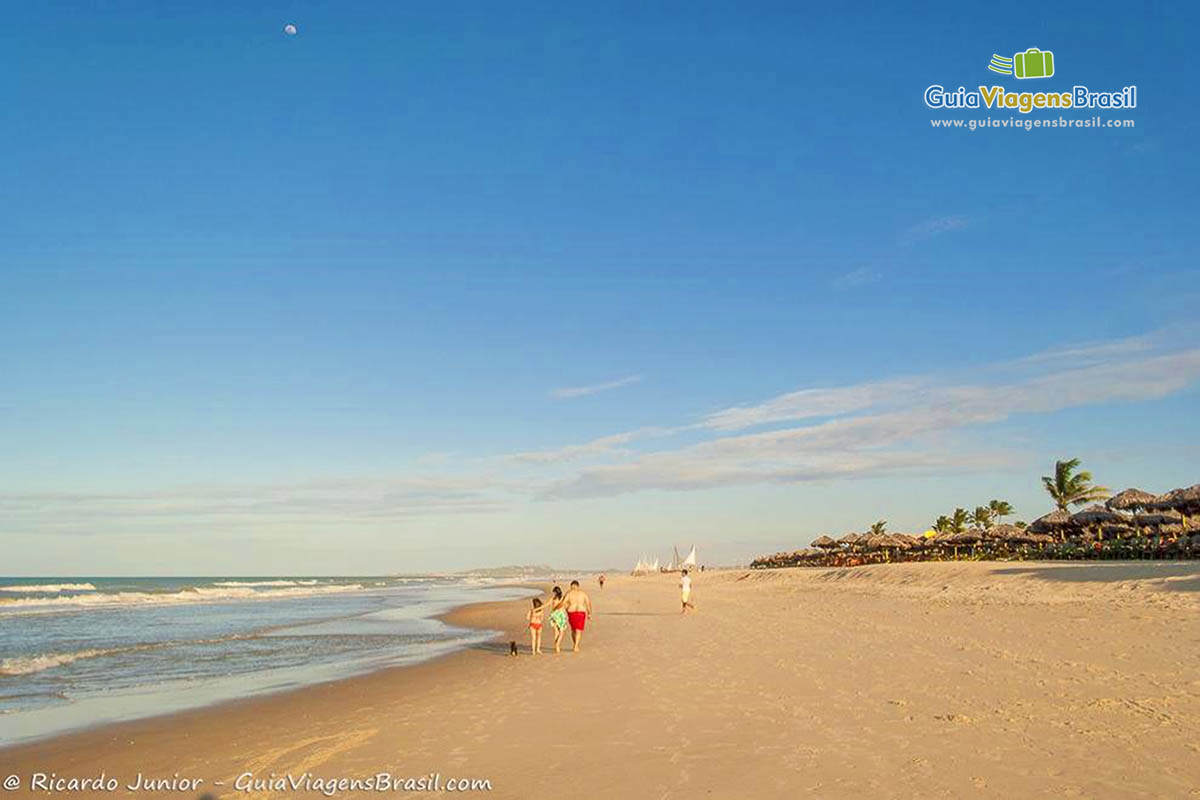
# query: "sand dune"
907 680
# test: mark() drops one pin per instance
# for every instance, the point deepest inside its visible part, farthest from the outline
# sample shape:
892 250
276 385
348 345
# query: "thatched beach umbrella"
824 542
1017 536
967 538
1053 523
877 542
992 534
1185 501
850 540
1097 515
1131 500
1100 520
1153 519
1008 535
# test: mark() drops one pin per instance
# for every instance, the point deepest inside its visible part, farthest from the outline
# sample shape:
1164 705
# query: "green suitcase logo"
1033 63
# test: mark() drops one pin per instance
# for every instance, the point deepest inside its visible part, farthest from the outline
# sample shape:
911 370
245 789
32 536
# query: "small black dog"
512 648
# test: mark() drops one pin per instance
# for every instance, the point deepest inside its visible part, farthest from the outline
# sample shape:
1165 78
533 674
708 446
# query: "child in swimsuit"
535 626
558 618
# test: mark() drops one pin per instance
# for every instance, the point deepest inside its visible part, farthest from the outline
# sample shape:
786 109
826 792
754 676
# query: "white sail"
654 566
690 561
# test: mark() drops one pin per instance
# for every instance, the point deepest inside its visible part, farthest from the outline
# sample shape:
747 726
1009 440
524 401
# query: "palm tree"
879 527
1000 509
981 517
958 522
942 524
1070 488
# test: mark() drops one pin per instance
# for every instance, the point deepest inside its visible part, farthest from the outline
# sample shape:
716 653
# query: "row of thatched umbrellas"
1133 519
1133 513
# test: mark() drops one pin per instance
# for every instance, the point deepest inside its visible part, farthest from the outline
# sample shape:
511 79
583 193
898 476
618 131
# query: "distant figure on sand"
601 581
558 617
535 626
579 608
685 592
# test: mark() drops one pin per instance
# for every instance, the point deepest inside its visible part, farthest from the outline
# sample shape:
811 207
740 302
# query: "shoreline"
905 680
473 615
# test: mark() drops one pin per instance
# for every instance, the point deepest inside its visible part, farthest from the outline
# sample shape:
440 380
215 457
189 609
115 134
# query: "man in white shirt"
685 592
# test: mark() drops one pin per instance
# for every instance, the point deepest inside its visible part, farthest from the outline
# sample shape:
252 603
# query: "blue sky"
436 285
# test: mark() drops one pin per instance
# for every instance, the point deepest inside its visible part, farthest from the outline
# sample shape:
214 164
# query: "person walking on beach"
558 617
685 592
535 626
579 607
601 581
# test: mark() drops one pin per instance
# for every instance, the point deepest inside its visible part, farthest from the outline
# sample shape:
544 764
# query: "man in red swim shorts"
579 607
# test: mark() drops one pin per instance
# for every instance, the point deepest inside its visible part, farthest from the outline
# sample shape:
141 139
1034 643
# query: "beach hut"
824 542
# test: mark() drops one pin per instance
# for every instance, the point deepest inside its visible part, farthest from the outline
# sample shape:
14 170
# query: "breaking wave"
198 594
49 588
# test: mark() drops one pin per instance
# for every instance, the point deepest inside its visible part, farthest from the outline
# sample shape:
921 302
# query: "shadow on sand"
1176 576
495 648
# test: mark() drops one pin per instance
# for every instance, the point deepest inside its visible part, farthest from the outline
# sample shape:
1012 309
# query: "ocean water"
76 652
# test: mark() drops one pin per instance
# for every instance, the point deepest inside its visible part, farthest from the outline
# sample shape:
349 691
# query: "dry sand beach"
907 680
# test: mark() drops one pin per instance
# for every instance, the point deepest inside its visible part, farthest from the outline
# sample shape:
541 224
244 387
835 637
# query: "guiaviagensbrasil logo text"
1032 63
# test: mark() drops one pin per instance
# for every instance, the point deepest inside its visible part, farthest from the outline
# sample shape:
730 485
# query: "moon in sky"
289 29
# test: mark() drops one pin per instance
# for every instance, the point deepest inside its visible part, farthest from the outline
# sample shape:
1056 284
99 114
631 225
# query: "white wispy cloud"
604 445
857 278
935 227
911 425
331 500
568 392
889 426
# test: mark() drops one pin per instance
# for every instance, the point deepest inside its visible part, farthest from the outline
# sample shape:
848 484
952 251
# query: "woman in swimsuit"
558 618
535 626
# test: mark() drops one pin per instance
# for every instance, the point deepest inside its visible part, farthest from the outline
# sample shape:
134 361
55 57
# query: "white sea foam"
24 665
263 583
49 588
199 594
